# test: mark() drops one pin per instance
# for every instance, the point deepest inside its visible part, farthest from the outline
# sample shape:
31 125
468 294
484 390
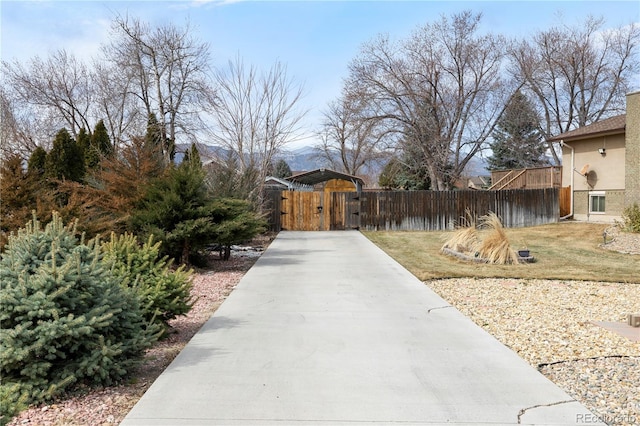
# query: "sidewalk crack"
438 307
524 410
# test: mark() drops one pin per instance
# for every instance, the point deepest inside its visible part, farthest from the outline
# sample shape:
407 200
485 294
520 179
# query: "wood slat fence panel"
410 210
565 201
537 178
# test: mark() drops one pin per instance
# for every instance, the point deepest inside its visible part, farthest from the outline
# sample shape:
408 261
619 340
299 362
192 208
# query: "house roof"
322 175
609 126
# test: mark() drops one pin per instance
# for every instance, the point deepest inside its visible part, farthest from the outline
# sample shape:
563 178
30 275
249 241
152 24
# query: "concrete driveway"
326 329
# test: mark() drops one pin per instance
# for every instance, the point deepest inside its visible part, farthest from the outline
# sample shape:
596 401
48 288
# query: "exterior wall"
614 205
632 179
609 169
605 173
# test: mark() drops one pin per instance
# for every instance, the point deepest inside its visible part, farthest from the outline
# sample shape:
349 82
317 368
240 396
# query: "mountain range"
306 158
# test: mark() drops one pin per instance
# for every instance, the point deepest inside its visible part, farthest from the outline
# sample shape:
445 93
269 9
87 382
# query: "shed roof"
609 126
322 175
272 181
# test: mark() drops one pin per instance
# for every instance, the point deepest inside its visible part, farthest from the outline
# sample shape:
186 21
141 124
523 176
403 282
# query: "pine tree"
179 211
407 175
235 222
157 137
281 169
64 317
164 292
176 211
112 190
84 142
17 192
101 146
22 193
192 156
65 160
517 140
36 164
153 140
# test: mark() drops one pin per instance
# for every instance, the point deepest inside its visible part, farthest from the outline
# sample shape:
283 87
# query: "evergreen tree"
192 156
18 195
153 140
235 222
65 160
97 146
281 169
36 164
22 193
100 140
408 175
517 140
164 292
176 210
84 142
179 211
64 317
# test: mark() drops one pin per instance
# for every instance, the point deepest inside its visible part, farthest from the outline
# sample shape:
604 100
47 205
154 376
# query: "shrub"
64 318
235 222
631 218
164 293
465 239
495 245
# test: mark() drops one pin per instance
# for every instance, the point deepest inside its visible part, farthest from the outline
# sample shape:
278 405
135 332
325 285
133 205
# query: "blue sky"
315 40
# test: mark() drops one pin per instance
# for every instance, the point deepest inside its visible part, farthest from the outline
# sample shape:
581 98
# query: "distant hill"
305 159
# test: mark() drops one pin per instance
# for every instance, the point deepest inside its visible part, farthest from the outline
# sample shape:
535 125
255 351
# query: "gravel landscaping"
550 325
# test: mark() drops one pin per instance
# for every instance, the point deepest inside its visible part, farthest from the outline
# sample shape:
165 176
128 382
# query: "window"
596 202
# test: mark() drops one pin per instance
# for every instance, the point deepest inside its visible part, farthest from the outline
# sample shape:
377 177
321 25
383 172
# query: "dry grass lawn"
564 251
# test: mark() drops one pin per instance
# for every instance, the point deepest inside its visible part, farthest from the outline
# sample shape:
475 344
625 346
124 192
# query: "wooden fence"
565 201
408 210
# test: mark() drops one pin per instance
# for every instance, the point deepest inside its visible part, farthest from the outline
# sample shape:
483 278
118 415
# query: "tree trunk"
186 251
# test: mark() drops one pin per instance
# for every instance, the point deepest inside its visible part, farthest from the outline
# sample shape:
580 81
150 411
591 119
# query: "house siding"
632 164
607 171
615 200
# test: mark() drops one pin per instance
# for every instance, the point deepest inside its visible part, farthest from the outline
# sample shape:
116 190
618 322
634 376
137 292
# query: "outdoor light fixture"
602 151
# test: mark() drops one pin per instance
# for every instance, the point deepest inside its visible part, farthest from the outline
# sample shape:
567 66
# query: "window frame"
599 194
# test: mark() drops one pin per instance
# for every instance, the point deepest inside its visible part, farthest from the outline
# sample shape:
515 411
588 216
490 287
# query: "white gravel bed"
549 324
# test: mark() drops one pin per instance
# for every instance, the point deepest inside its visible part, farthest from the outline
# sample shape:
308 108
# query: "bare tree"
440 90
350 140
58 88
579 74
169 69
115 102
254 116
15 129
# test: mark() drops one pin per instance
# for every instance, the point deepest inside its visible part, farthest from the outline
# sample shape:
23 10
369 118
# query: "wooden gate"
565 201
319 211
